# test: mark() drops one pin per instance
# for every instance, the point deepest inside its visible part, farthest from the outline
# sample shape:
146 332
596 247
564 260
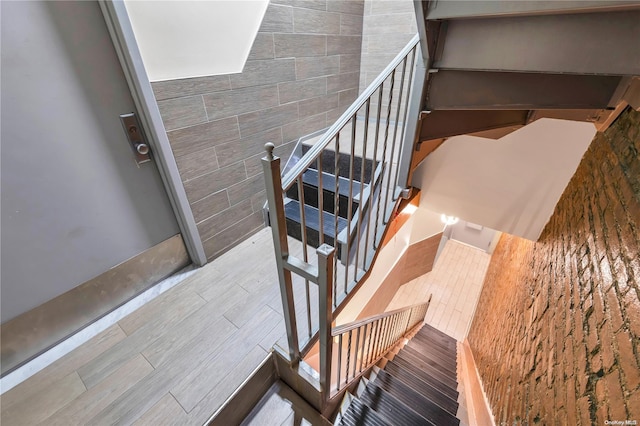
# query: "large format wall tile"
301 74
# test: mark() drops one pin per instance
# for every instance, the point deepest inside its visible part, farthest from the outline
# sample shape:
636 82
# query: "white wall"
511 184
426 224
182 39
387 258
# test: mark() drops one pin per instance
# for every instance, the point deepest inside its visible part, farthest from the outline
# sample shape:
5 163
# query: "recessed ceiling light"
448 220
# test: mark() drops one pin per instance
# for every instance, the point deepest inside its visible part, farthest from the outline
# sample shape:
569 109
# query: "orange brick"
613 308
539 296
632 311
615 399
627 360
583 411
606 346
633 405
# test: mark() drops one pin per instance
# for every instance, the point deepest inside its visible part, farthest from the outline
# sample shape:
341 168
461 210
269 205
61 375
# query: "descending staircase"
417 386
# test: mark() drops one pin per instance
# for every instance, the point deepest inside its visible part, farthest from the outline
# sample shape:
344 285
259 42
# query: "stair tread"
420 386
444 376
360 414
310 177
426 377
390 408
448 359
430 360
426 407
435 358
436 339
312 218
429 329
433 347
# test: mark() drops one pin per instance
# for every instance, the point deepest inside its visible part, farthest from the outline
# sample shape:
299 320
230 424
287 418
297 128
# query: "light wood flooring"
173 361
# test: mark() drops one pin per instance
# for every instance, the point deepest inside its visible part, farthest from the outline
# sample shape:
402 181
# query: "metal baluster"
407 143
405 320
350 204
339 370
384 158
305 256
360 204
395 130
325 255
381 339
273 183
389 333
372 353
384 149
394 330
336 213
373 171
320 200
372 342
346 374
355 358
408 326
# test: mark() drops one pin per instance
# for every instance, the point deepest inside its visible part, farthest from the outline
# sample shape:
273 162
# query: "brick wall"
556 335
301 74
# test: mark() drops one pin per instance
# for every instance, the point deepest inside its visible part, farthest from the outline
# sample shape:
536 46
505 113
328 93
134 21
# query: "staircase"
417 386
303 203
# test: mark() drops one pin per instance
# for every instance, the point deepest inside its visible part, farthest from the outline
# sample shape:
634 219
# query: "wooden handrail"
336 331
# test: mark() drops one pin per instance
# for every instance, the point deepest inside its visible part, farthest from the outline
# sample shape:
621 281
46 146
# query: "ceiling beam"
478 90
492 8
588 43
444 124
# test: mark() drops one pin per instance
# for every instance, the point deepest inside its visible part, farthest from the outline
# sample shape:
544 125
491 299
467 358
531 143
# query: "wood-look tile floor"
177 358
455 284
174 360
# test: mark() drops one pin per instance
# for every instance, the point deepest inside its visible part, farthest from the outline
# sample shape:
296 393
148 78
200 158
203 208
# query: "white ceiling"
511 184
182 39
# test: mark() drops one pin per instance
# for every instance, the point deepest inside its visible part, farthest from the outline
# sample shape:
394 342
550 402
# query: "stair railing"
363 343
357 158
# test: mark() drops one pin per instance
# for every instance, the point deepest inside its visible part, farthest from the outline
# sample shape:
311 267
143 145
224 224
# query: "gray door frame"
124 41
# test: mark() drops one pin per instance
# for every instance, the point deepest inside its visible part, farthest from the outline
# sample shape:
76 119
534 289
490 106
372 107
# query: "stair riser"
421 386
423 406
427 378
449 381
328 200
392 410
359 414
328 164
447 359
313 236
437 340
430 330
422 389
444 367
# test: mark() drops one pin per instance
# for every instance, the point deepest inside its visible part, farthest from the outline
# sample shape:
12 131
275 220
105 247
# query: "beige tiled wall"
301 74
387 28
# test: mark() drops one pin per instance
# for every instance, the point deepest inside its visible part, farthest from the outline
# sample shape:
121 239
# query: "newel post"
325 254
273 183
